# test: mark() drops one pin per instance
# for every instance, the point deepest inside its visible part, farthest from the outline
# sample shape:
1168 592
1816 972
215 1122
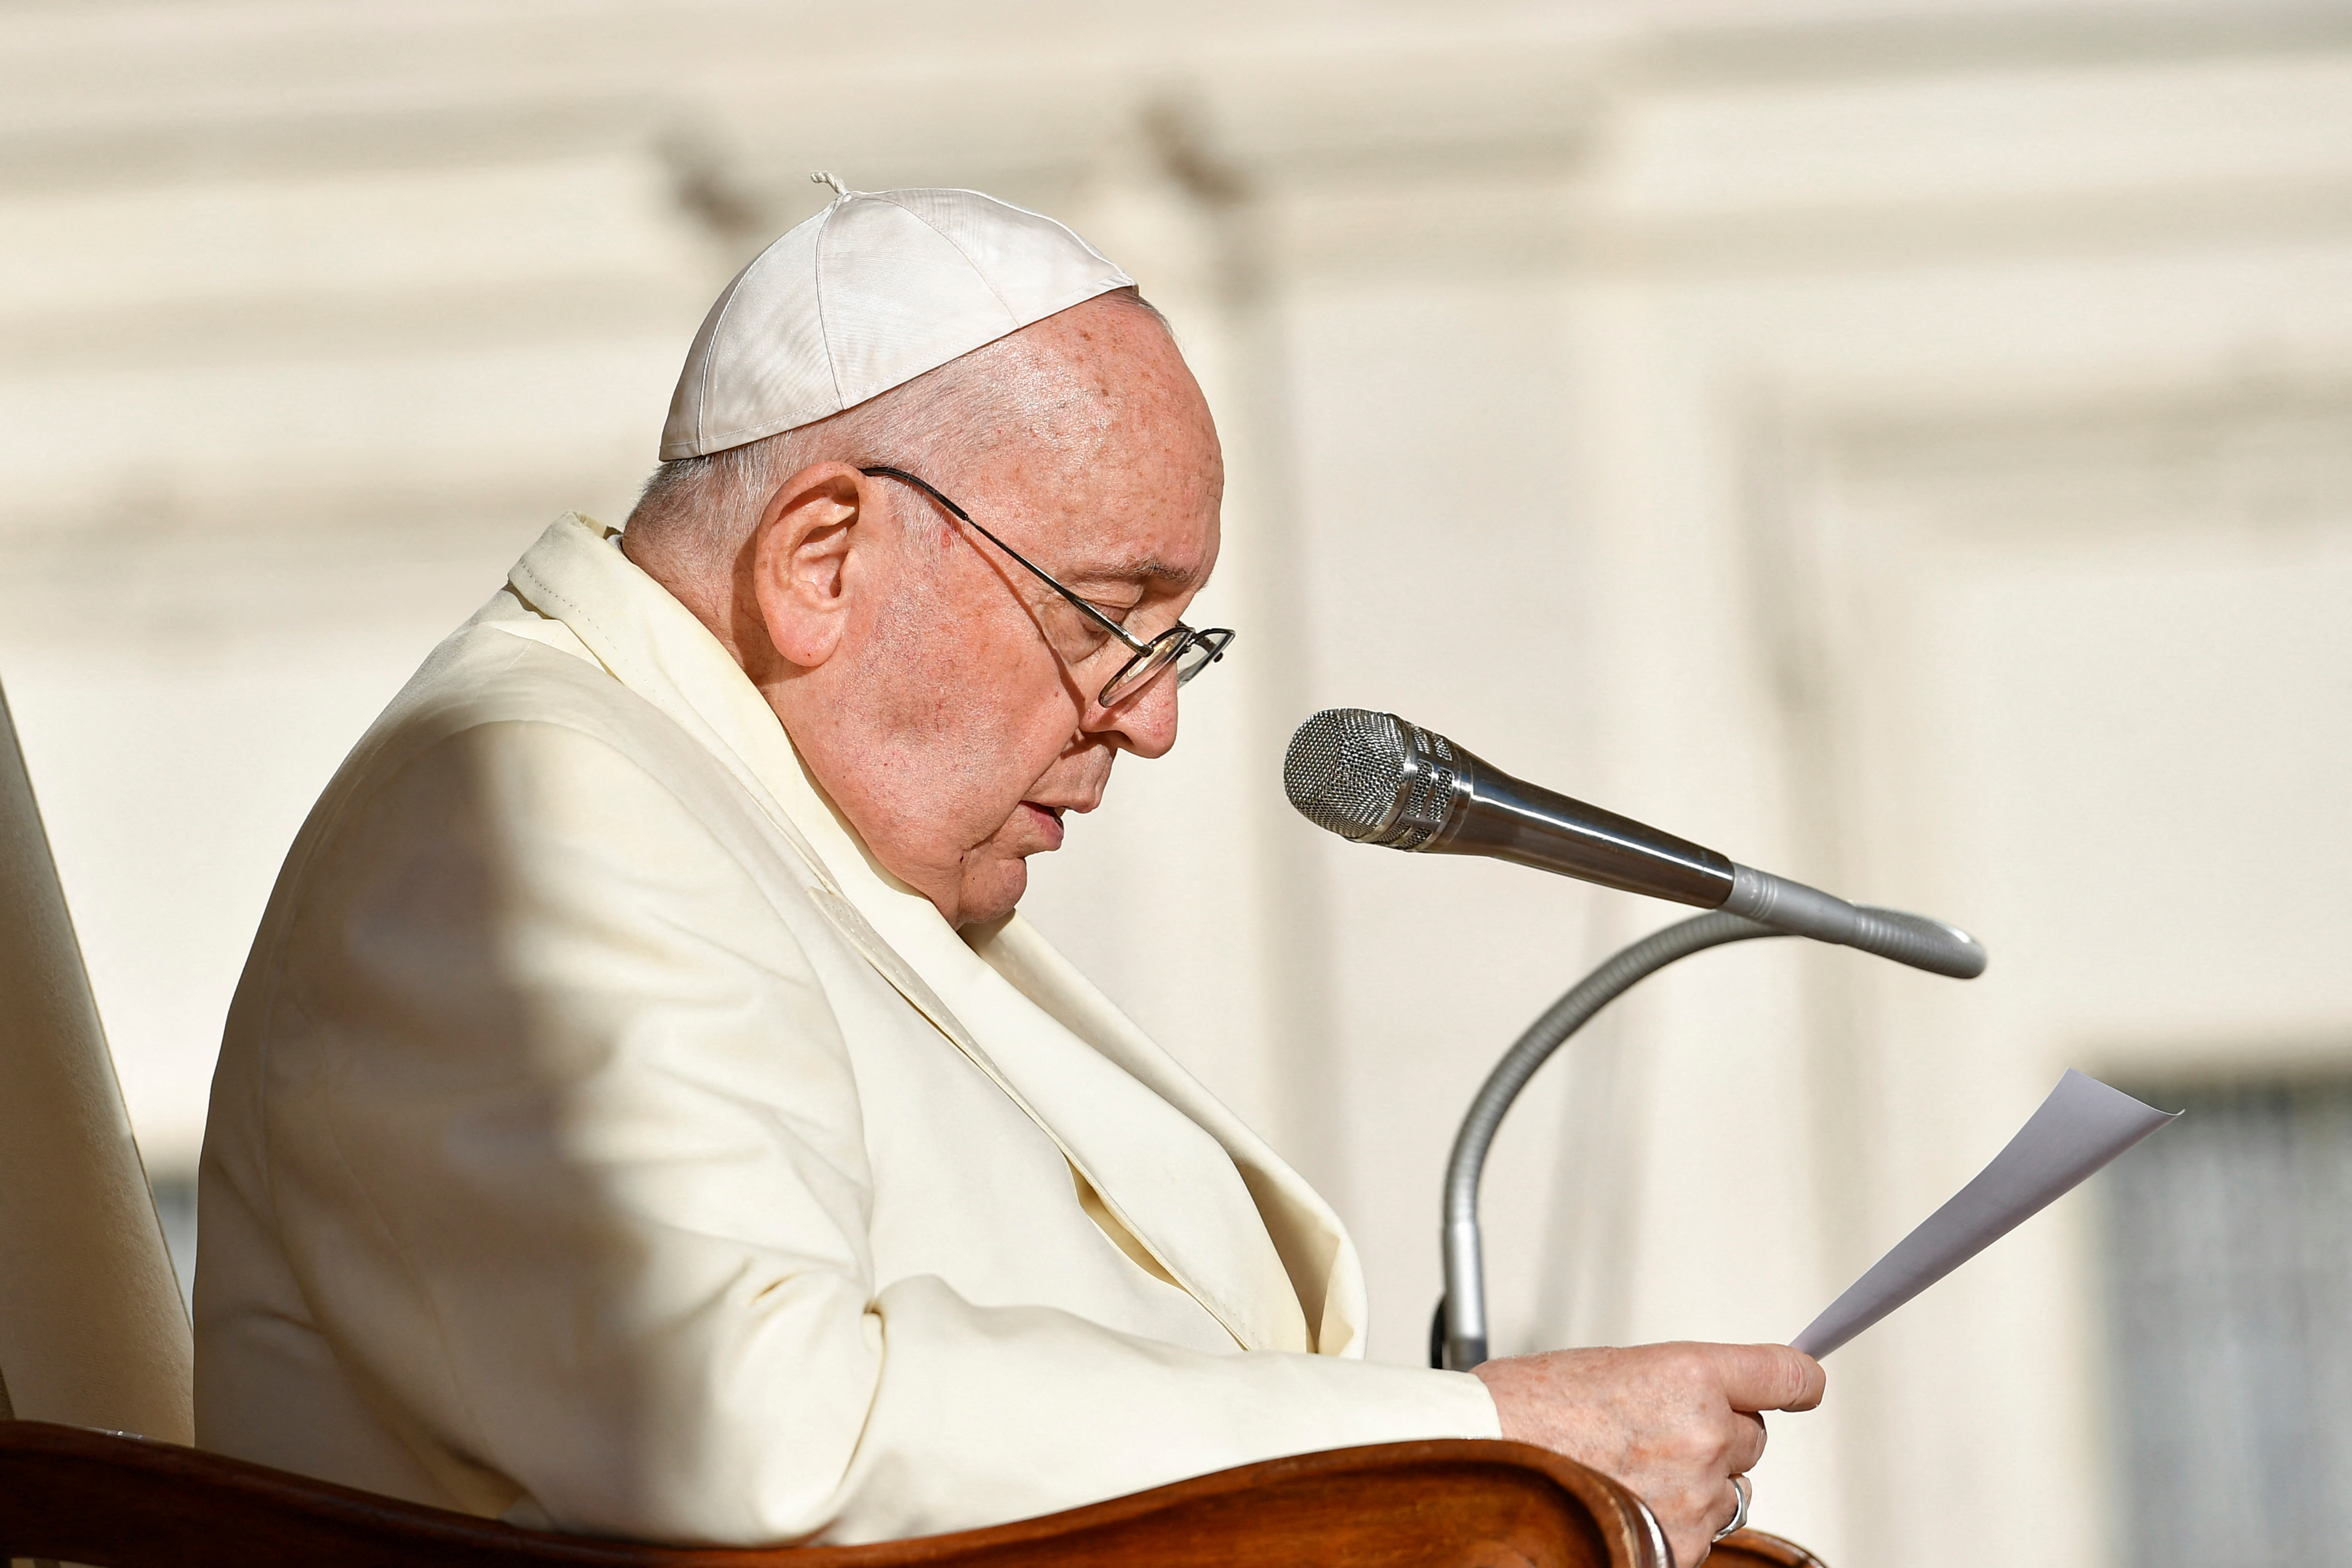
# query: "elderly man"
644 1112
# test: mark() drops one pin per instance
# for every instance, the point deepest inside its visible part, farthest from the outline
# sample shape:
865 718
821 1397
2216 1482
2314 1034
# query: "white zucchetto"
878 288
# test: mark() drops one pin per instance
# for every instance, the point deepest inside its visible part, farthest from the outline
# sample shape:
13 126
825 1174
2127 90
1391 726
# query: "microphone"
1374 778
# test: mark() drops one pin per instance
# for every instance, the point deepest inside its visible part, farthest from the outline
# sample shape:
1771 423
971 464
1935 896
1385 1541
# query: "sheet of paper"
2082 1126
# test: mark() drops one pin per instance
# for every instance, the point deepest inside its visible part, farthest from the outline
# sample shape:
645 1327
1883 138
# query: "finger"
1728 1513
1769 1377
1747 1446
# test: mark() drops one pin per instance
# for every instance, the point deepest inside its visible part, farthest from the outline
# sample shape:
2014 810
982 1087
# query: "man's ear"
800 561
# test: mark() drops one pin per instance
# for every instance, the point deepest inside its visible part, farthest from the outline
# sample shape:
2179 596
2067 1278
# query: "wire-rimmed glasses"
1181 647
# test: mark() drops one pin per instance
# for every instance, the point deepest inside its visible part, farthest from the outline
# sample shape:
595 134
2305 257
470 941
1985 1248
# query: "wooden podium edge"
73 1494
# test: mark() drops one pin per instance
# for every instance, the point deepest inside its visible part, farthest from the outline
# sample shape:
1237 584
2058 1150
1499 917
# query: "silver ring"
1740 1517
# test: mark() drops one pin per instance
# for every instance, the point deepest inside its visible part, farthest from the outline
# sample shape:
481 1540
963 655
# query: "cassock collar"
1023 1015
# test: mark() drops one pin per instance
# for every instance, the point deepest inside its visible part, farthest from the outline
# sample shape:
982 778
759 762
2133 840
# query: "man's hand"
1672 1423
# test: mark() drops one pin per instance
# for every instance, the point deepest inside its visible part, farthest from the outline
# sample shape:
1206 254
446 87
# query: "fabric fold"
1232 1225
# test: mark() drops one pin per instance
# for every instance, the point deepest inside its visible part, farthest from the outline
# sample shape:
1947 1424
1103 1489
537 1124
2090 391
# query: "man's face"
957 724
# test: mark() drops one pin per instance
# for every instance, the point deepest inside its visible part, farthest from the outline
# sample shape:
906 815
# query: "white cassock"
602 1139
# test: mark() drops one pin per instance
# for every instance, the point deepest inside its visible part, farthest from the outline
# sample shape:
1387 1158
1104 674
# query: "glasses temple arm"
1076 602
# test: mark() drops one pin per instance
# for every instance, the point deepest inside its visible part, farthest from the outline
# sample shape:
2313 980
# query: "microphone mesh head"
1343 769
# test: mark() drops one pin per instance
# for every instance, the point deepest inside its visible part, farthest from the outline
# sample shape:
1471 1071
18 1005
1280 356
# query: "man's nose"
1145 724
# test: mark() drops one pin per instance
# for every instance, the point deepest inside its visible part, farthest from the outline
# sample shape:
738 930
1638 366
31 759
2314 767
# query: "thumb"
1769 1377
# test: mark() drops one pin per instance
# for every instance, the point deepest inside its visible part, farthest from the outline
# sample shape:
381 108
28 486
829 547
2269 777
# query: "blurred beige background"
1907 445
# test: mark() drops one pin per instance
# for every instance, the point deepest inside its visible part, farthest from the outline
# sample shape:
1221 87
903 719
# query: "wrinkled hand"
1671 1423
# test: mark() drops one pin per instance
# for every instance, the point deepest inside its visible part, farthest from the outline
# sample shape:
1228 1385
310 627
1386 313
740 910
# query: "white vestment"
602 1139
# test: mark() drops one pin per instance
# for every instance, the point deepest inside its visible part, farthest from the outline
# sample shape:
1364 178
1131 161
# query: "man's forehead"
1162 540
1097 448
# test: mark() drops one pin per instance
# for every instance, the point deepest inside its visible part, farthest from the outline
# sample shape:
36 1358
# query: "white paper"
2082 1126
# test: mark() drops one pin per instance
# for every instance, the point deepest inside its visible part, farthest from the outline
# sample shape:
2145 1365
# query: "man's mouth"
1048 818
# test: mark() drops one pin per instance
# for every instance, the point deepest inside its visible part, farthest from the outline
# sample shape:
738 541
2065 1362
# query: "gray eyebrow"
1148 566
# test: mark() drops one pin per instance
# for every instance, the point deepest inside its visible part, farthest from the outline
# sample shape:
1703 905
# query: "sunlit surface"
1907 447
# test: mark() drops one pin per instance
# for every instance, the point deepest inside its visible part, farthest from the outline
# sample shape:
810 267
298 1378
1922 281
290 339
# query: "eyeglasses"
1180 648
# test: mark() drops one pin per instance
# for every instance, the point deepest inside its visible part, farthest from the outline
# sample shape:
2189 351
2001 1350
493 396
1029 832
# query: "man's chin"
991 892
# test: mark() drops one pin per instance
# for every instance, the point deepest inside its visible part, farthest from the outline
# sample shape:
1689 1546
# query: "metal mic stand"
1457 1333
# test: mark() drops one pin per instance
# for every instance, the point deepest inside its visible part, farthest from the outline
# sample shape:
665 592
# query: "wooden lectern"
93 1336
111 1501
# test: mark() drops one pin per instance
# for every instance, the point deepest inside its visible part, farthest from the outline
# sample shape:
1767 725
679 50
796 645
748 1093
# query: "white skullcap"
866 296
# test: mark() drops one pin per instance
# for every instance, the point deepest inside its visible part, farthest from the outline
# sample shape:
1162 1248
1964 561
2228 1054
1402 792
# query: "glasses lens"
1145 667
1202 650
1188 652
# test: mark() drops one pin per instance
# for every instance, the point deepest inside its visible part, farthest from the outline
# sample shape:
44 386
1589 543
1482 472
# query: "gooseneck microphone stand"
1457 1333
1375 778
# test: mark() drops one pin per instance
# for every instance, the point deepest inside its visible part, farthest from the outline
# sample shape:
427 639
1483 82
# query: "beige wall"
1908 447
